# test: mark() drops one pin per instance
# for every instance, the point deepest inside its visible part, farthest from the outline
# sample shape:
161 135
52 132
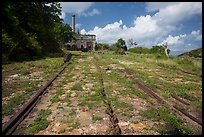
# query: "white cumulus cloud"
182 42
139 31
174 39
197 35
155 29
174 13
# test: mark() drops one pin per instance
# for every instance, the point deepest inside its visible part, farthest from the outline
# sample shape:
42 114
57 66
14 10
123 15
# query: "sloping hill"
79 100
197 53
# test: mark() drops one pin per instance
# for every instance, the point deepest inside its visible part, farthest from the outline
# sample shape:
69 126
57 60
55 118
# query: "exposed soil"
80 112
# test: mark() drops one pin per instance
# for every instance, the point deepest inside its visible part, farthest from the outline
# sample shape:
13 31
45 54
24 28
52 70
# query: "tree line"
32 30
120 48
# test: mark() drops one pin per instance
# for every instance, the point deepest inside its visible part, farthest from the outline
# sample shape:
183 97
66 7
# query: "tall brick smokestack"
73 23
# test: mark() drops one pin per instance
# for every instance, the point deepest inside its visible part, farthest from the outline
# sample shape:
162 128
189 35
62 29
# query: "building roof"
87 34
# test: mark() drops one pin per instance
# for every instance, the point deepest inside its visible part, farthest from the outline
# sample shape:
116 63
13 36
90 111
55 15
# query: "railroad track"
112 116
183 71
154 95
13 123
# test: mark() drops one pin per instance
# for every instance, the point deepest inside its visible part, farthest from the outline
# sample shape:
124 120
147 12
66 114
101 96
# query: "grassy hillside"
197 53
78 88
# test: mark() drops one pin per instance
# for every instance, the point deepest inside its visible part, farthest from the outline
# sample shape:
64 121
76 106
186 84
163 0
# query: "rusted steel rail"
67 57
184 71
150 92
181 100
144 88
13 123
189 115
160 100
112 116
190 73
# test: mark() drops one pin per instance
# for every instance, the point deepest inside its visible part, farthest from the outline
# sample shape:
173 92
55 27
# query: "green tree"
132 43
29 29
120 43
140 50
102 46
157 49
64 32
119 47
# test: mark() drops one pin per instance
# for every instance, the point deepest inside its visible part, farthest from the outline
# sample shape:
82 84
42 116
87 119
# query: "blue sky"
147 23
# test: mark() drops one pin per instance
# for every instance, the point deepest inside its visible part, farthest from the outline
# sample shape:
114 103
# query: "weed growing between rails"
21 80
113 118
76 111
141 73
124 100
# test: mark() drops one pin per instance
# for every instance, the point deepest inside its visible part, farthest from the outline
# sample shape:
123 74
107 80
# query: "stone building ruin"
82 42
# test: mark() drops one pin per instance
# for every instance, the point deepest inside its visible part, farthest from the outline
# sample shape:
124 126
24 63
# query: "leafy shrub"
34 46
139 50
102 46
157 49
185 62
